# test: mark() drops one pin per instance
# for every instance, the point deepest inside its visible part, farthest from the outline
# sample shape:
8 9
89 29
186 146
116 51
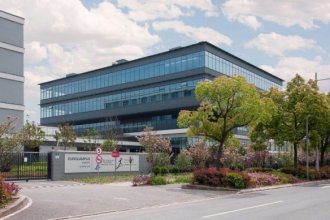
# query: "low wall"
78 164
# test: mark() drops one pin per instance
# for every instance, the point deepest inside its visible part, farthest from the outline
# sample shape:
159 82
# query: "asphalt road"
303 202
60 199
68 200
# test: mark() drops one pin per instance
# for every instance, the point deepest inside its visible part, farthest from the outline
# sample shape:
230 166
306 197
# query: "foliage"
163 171
262 179
9 141
183 179
65 135
109 145
284 178
235 180
174 170
225 104
158 180
183 161
90 137
154 144
7 191
256 159
199 153
233 158
32 135
162 159
141 180
156 170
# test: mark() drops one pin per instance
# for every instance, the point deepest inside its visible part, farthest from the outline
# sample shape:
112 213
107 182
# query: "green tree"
109 145
225 104
90 137
32 135
293 106
65 135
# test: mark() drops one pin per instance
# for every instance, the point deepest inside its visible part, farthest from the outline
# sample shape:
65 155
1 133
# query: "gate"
25 166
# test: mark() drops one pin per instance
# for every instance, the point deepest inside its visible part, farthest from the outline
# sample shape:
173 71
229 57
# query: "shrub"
7 191
183 179
235 180
163 171
262 179
141 180
162 159
211 177
324 172
174 170
183 161
284 178
156 170
158 180
258 169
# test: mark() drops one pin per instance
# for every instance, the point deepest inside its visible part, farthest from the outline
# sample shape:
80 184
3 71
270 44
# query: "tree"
225 104
153 144
66 135
299 102
90 137
109 145
32 135
9 141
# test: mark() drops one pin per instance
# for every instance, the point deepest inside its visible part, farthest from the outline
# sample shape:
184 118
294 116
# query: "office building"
149 91
11 68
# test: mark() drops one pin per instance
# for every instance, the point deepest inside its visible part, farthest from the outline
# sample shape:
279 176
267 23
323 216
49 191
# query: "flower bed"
7 191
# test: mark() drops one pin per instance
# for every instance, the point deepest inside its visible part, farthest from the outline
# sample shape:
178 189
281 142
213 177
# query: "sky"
71 36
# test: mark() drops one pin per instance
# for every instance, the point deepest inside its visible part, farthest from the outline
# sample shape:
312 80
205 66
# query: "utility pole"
306 145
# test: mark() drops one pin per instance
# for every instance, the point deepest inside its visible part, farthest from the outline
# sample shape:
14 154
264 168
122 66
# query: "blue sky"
280 36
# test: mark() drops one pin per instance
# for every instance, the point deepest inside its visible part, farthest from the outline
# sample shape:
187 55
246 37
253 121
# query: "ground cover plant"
7 191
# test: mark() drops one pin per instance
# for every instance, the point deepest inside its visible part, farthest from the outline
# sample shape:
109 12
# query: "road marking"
18 211
325 187
120 198
242 209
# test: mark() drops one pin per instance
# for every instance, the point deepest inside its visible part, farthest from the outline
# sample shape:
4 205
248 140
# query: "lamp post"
317 149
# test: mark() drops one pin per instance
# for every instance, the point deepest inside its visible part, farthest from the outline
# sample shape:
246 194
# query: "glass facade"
168 66
158 122
124 99
165 67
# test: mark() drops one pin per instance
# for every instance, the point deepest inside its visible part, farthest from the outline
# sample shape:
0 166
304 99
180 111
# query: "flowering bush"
232 158
256 159
222 177
141 180
262 179
199 153
7 191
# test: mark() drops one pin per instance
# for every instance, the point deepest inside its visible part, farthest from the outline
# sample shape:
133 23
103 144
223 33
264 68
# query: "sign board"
115 154
98 150
86 163
98 159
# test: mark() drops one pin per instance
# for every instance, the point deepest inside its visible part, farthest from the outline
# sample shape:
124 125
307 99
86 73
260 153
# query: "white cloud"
288 67
195 33
143 10
64 36
276 44
303 13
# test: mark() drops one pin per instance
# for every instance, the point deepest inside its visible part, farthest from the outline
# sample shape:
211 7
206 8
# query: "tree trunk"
322 156
295 155
219 154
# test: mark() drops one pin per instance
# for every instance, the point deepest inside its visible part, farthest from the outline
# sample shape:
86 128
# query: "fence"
25 166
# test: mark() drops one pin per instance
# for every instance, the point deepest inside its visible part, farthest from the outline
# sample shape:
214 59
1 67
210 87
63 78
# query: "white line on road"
20 210
325 187
242 209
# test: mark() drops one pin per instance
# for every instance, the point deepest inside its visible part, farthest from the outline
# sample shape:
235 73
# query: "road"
303 202
67 200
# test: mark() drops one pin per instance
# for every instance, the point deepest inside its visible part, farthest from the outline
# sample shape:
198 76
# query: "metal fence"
25 166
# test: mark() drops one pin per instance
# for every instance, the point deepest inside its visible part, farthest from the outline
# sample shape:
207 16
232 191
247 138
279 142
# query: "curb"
20 203
282 186
202 187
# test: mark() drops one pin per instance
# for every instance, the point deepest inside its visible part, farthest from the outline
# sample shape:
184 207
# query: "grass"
170 179
105 179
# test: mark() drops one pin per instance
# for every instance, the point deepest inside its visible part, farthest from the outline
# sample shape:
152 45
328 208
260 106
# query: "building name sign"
86 163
